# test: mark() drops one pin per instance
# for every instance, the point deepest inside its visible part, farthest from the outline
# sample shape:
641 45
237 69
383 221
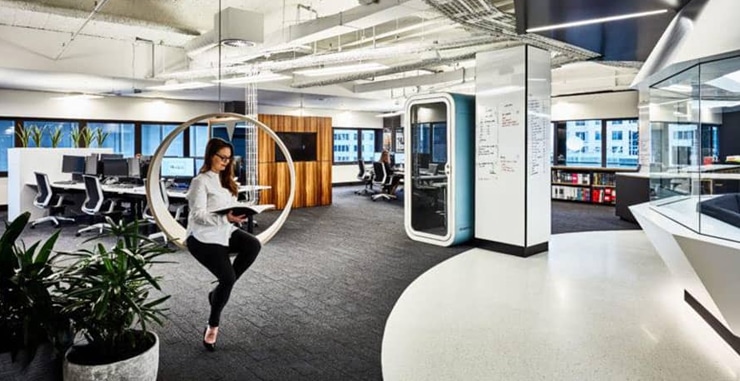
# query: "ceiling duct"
235 27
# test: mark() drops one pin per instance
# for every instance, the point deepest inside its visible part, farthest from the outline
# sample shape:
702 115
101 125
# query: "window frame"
377 134
603 133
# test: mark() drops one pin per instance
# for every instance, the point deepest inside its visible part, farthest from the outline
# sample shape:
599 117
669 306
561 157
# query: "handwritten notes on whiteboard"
538 122
487 153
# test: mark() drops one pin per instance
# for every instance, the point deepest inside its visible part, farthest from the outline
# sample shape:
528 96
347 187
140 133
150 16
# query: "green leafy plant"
108 292
30 307
37 134
56 136
100 136
87 135
75 134
23 134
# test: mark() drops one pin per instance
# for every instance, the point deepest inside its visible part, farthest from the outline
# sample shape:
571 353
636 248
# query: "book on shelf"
243 209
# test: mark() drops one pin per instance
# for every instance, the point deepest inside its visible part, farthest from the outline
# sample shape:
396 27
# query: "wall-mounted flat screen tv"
301 145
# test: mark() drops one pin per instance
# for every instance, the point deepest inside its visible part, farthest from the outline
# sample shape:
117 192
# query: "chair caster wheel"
78 234
33 226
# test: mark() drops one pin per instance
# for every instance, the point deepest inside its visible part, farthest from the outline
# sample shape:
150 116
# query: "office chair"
382 178
367 178
93 203
43 200
149 218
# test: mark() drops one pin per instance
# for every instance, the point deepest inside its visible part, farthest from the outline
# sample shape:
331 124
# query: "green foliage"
56 136
75 135
23 134
100 136
109 291
30 307
37 133
87 136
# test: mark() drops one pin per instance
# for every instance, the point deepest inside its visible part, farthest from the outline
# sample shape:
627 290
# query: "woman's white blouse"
206 193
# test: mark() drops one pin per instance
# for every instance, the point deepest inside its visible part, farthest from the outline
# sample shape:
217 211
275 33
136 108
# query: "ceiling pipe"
98 6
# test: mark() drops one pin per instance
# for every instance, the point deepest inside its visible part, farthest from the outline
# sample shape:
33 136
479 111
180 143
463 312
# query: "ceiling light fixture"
261 77
596 21
174 86
357 68
238 43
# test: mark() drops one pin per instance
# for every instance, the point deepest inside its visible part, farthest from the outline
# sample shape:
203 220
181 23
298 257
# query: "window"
153 134
7 140
622 152
120 137
352 143
48 127
579 149
198 140
439 142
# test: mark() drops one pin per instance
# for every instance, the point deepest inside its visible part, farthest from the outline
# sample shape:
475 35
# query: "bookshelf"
583 184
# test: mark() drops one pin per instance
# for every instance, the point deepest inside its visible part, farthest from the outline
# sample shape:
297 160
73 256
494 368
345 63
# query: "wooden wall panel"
313 179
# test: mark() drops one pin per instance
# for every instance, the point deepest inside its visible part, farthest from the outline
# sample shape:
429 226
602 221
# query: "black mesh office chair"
382 178
178 211
43 200
367 178
94 202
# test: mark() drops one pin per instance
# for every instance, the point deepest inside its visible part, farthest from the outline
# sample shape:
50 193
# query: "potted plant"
56 136
108 292
100 136
87 135
34 333
37 134
75 134
23 135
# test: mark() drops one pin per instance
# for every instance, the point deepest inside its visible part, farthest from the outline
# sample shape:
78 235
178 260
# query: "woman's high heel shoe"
209 346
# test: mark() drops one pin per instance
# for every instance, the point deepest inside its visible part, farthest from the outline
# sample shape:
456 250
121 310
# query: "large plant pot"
44 366
143 367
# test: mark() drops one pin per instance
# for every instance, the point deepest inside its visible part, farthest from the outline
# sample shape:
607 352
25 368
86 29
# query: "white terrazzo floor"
597 306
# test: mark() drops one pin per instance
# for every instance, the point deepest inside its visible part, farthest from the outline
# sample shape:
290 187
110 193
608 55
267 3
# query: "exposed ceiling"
623 40
123 47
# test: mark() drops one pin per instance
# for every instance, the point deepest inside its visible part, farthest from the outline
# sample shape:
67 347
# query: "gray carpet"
314 304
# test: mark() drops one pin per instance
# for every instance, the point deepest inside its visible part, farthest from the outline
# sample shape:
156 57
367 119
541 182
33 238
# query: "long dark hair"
227 175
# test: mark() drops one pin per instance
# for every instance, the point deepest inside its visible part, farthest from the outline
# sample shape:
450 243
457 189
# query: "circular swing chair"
158 207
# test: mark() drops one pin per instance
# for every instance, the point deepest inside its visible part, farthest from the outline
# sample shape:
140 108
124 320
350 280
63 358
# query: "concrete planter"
143 367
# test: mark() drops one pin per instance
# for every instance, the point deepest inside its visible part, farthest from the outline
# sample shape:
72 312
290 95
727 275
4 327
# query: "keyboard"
123 186
66 182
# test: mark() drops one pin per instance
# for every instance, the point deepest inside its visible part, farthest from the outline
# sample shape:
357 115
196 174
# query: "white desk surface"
141 191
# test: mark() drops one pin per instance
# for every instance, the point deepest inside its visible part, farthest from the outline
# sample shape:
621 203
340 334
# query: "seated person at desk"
385 158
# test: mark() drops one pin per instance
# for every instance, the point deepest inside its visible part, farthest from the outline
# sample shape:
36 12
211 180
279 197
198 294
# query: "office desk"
139 194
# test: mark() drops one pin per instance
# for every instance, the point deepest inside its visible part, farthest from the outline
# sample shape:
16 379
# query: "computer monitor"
178 167
115 168
106 156
91 165
399 158
134 168
73 164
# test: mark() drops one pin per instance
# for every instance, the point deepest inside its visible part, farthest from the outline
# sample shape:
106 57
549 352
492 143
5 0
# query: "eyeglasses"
224 159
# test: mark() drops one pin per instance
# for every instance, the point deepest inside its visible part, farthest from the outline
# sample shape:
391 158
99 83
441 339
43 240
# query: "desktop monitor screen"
134 167
73 164
178 167
91 165
115 168
399 158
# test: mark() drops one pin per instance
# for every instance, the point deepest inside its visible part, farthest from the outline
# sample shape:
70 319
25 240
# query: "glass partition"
695 148
427 160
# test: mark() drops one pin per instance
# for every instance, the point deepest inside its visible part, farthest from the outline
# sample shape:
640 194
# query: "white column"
512 178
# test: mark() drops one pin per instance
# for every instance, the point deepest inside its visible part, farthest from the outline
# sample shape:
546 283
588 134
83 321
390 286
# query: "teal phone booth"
439 173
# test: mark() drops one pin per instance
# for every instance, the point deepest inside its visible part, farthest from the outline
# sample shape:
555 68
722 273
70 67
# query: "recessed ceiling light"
596 21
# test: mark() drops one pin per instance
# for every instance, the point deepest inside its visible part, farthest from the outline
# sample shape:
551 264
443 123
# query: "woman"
385 158
211 237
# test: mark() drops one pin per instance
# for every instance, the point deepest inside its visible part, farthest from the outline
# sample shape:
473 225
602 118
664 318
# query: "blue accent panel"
463 170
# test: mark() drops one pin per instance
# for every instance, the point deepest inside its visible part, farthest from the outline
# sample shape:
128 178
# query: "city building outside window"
153 134
120 137
621 152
